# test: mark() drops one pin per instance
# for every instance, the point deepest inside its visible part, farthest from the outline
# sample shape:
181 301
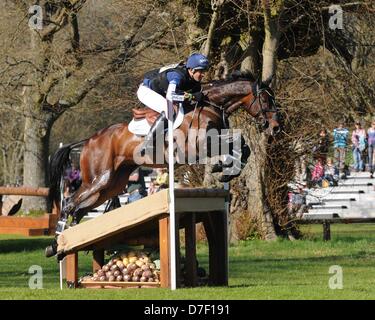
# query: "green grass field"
257 269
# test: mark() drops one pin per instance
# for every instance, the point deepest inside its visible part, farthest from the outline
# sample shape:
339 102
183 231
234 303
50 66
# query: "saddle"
145 113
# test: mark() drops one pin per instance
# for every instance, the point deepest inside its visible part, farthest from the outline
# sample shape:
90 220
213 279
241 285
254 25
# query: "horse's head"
255 97
261 104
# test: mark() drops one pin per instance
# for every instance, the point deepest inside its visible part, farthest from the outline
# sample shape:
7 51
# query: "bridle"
256 92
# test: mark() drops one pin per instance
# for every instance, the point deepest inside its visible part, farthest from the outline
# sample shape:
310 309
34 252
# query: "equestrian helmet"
197 61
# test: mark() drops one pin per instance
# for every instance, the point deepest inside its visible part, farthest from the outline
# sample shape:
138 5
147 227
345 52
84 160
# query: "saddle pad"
142 127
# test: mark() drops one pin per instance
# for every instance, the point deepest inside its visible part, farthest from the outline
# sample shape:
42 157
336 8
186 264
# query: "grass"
257 269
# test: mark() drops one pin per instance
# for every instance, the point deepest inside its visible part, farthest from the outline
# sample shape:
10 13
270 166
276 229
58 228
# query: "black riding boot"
160 123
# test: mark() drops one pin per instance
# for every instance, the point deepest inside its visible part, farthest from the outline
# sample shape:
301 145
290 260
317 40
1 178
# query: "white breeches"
152 99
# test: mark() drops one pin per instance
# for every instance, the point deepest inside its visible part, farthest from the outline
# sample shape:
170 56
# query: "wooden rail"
327 223
25 191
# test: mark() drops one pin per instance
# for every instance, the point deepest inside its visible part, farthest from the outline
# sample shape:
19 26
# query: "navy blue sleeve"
174 77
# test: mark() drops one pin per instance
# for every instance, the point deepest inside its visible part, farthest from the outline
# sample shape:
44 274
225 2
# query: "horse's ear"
268 81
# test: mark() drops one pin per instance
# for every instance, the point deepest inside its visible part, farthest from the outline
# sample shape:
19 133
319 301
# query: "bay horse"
107 158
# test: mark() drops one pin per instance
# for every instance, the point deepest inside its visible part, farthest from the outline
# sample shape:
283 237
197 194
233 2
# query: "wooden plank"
72 270
117 221
26 222
97 260
23 231
24 191
190 252
201 193
199 204
119 284
164 252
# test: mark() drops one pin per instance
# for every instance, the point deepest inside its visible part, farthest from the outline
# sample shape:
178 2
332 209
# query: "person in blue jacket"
340 143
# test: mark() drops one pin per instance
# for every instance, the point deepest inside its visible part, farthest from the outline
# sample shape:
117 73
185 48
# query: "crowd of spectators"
330 160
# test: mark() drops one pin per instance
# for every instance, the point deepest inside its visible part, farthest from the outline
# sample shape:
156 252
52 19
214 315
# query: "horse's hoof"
218 167
50 251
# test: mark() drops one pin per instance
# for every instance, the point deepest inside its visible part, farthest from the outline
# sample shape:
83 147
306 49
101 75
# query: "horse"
107 157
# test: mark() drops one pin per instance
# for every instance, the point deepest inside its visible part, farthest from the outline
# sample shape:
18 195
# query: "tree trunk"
36 139
37 128
272 35
250 211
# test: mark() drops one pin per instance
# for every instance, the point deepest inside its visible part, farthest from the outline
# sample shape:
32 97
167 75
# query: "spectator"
340 143
371 147
297 202
152 188
162 179
318 173
72 178
359 145
331 173
321 149
136 186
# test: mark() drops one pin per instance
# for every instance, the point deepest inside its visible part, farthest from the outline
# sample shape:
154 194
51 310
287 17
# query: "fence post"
326 230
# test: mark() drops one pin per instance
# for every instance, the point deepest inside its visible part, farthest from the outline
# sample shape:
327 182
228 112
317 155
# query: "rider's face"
197 75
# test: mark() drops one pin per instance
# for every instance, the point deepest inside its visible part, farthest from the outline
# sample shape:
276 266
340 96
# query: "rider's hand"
195 97
188 96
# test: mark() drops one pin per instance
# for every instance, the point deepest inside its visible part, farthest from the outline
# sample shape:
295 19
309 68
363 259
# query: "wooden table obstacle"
146 221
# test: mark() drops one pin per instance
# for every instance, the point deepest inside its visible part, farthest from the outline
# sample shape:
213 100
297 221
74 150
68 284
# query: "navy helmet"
197 61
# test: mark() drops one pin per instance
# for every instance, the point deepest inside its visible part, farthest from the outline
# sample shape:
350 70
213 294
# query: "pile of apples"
129 267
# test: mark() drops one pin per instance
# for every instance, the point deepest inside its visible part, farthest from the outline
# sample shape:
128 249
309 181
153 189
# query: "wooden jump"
27 226
147 220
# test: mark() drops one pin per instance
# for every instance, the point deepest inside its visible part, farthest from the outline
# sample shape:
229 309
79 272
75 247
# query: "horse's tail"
57 165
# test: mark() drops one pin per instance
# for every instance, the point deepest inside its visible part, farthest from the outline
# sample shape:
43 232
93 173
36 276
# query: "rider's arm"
174 80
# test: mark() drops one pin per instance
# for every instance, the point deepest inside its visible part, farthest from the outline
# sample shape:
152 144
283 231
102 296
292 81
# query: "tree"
56 72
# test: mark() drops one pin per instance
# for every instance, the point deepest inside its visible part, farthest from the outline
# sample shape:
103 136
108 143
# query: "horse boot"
160 123
232 167
51 250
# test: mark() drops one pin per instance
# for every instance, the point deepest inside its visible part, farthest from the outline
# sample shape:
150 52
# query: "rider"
159 87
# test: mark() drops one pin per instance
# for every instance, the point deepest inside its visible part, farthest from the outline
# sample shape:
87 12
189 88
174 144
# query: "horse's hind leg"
84 197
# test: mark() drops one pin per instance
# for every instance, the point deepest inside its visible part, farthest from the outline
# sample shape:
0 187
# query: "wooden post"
326 230
190 252
177 253
72 270
215 225
97 259
164 252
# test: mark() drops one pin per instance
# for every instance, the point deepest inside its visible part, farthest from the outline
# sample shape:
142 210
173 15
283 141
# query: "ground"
257 269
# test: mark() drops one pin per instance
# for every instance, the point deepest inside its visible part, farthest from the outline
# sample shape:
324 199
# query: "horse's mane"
234 76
